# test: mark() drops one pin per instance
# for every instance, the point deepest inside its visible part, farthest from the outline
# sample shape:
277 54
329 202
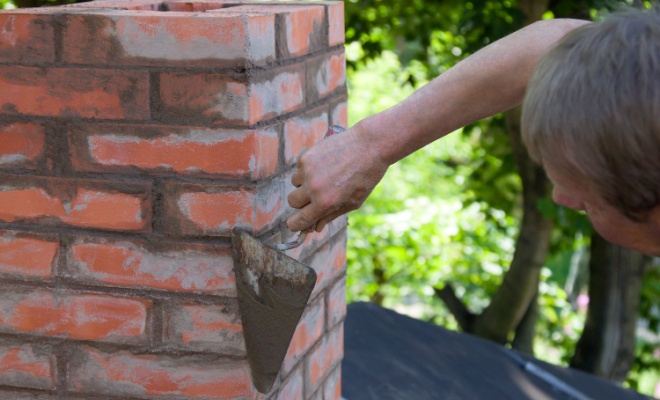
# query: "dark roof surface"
392 356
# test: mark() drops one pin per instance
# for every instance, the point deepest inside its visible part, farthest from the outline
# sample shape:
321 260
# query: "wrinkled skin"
334 177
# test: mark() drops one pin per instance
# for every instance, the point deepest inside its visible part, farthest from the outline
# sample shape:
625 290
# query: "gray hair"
592 108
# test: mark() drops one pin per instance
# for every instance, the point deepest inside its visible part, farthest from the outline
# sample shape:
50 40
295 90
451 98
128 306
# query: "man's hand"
334 177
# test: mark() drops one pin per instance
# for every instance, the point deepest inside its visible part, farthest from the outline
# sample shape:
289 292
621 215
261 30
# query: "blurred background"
463 233
439 236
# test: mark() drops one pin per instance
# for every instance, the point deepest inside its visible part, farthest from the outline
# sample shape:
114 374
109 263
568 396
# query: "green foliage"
7 5
417 30
420 227
450 211
11 4
560 322
494 180
431 221
485 21
645 372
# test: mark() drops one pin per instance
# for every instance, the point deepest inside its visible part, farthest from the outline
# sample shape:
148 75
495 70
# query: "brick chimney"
134 135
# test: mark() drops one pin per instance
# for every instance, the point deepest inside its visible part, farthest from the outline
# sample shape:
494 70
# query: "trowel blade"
273 290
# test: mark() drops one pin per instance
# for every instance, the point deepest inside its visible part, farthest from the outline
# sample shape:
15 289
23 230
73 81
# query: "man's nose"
566 200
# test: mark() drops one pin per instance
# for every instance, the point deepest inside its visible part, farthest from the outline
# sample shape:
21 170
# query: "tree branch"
456 307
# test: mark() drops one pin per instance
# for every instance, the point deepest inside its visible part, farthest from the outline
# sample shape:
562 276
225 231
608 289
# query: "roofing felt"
392 356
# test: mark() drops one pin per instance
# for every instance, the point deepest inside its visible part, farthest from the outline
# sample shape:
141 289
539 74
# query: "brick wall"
133 136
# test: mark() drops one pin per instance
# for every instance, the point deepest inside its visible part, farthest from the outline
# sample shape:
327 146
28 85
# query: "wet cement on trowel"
273 290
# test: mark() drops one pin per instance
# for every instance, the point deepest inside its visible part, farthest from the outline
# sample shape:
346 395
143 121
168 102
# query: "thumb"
302 219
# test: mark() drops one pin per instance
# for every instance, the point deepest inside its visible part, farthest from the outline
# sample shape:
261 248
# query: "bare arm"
336 175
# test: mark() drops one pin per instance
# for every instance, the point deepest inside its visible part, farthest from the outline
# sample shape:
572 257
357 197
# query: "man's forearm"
488 82
337 174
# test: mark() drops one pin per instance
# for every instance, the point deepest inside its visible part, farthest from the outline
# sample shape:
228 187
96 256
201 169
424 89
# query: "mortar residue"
270 313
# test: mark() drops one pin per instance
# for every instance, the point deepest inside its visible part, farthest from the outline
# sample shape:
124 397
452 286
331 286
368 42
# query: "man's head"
591 116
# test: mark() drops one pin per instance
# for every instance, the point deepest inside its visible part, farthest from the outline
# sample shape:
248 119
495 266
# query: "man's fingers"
297 178
303 219
299 198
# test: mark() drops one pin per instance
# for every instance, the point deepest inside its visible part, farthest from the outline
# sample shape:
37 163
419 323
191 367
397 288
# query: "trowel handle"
332 130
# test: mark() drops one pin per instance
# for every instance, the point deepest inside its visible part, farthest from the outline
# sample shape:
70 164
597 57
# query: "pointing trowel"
273 290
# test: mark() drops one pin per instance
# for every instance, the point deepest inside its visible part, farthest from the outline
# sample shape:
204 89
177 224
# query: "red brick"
336 307
292 388
213 210
21 144
307 333
203 98
26 256
326 74
186 268
332 385
192 6
117 4
303 30
209 40
278 94
90 204
339 114
325 357
260 28
219 99
209 328
336 34
73 92
190 151
329 262
26 38
26 366
75 316
154 5
302 132
301 25
87 204
125 374
269 205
